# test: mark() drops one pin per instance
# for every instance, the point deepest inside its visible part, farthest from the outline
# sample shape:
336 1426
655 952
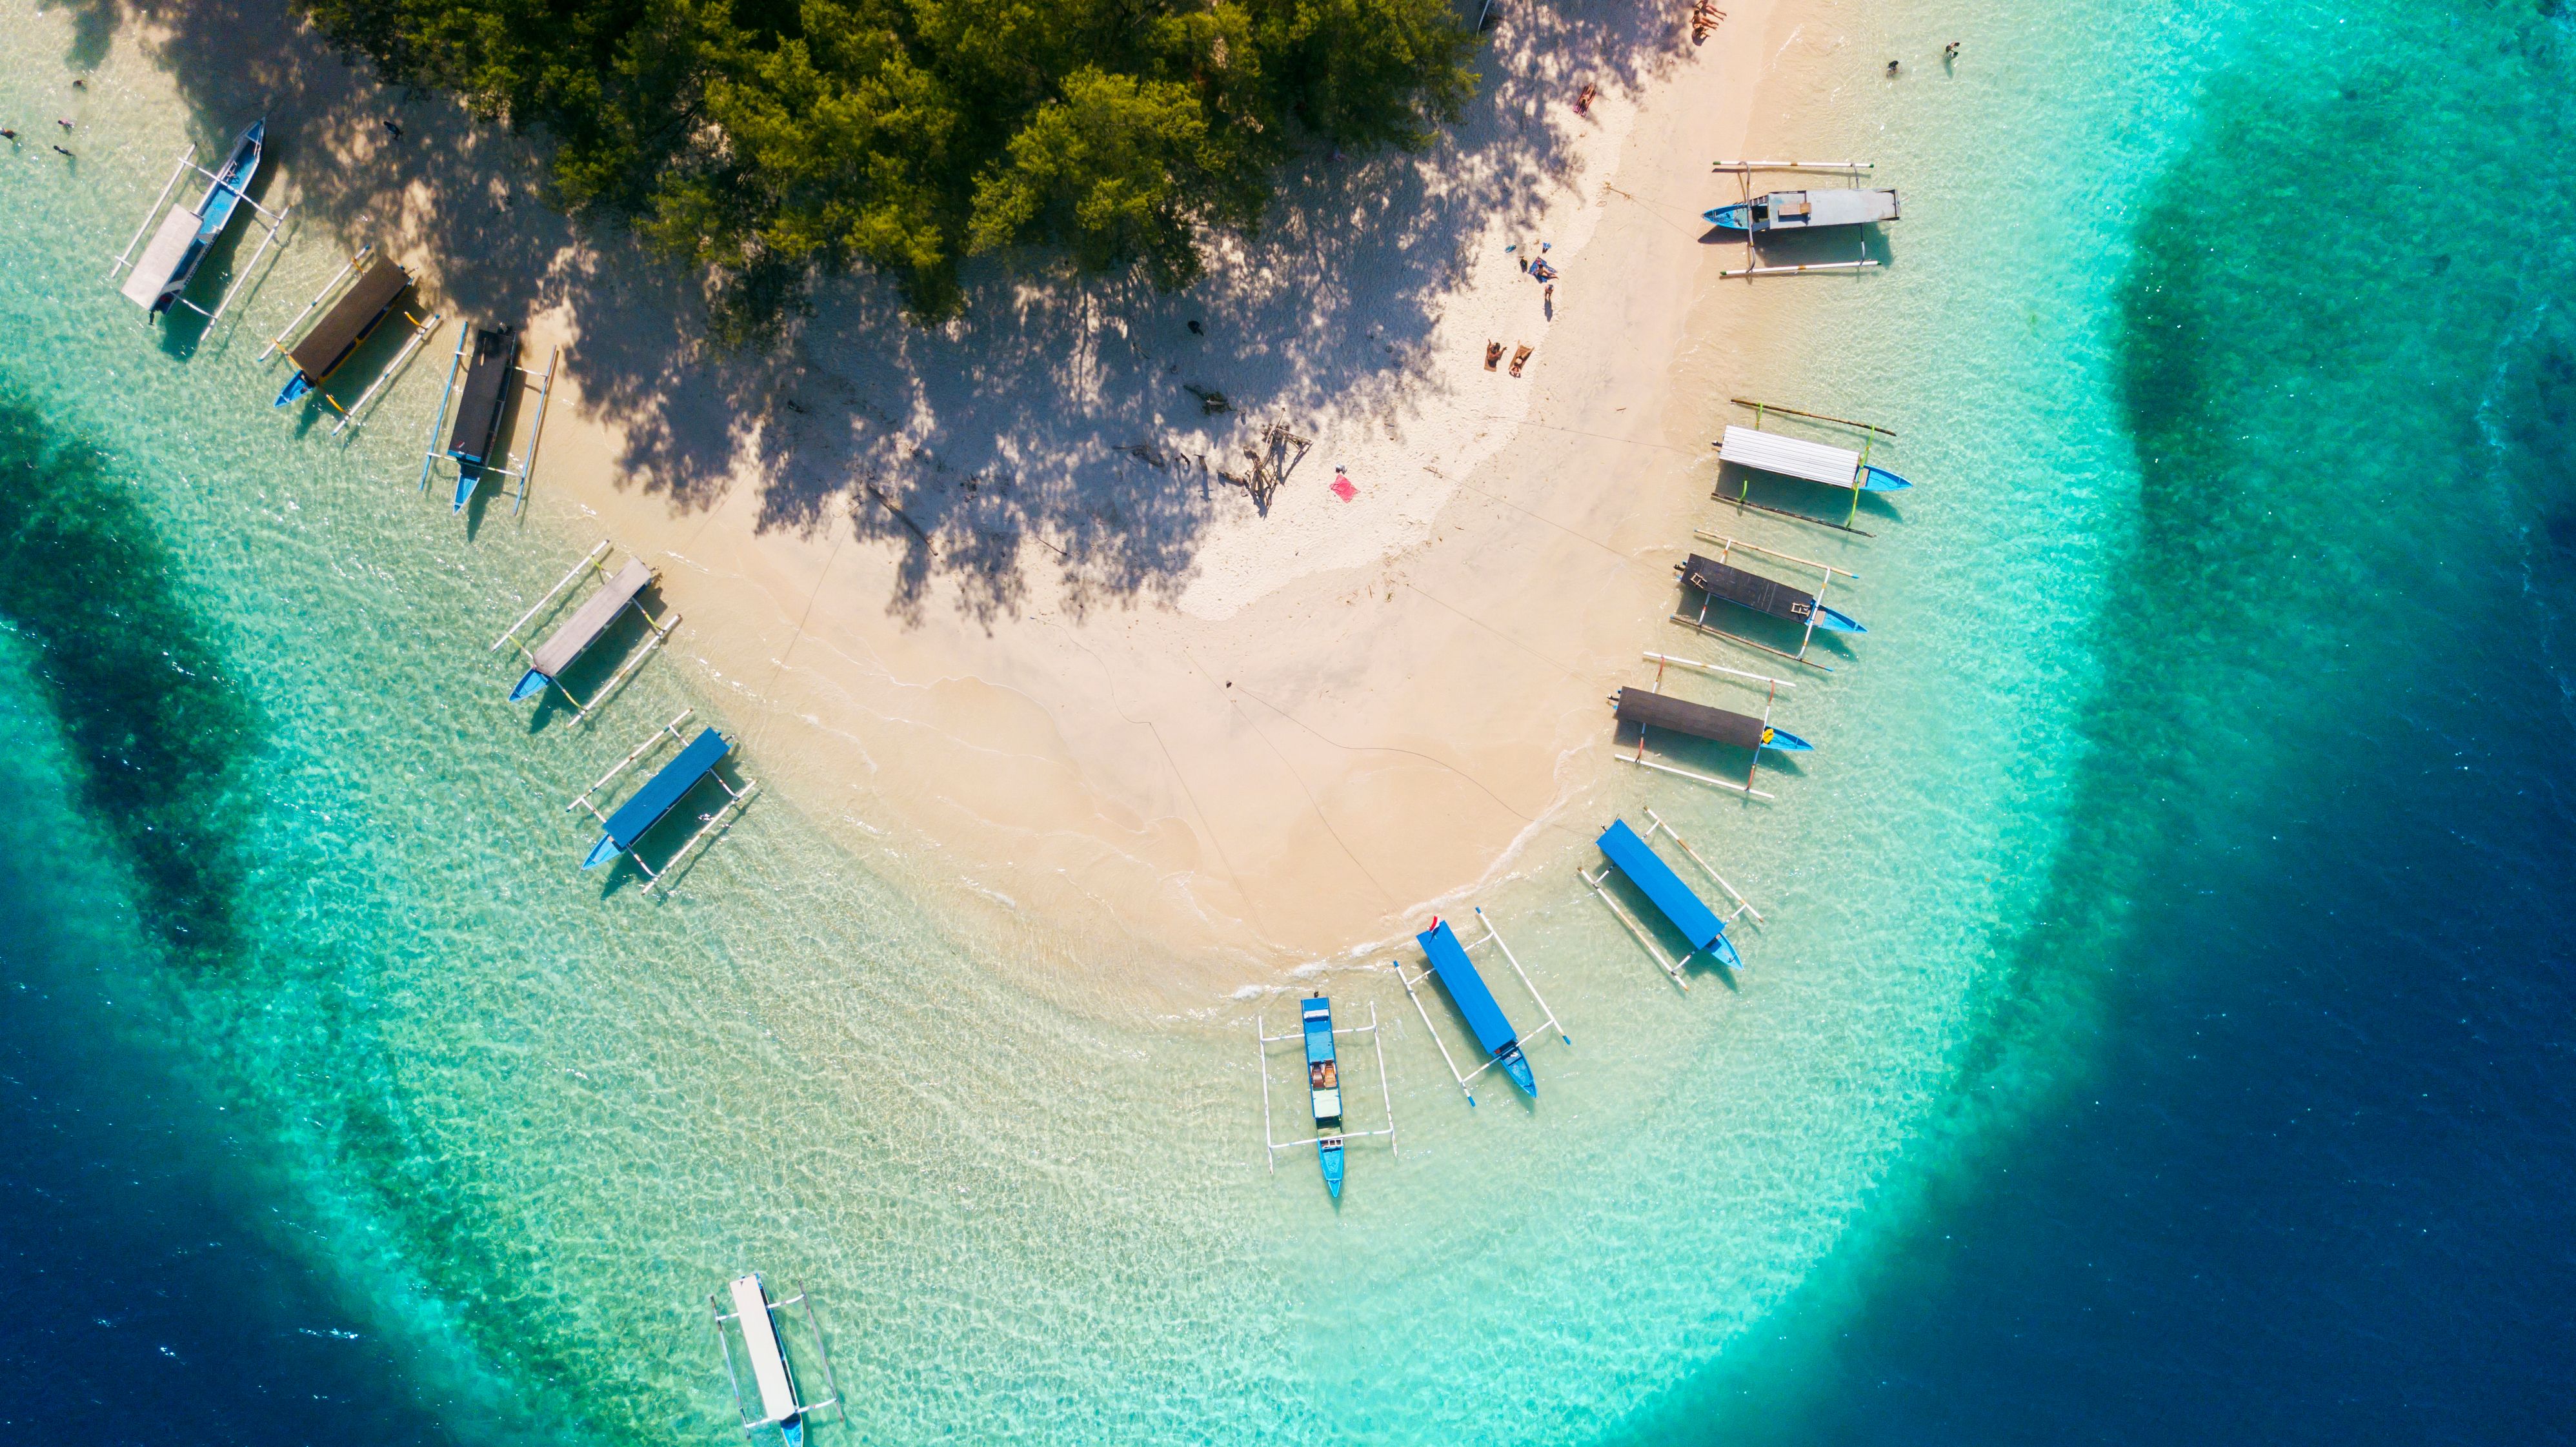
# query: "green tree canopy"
766 140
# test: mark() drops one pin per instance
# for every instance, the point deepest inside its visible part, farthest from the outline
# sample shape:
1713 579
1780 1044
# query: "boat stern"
1516 1065
1722 950
469 476
602 852
1879 479
1785 741
1328 1156
1732 218
296 386
530 684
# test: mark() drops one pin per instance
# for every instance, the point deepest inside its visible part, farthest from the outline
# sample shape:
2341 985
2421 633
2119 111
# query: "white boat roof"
1790 456
160 261
1849 206
760 1341
591 619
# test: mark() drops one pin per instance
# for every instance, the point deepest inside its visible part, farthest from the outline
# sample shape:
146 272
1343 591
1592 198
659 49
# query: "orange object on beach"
1519 357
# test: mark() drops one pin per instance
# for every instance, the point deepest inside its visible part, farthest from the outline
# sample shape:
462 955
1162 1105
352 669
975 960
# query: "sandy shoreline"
1332 718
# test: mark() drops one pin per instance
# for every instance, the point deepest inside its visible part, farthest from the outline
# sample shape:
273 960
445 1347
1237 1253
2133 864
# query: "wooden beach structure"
756 1320
158 278
1781 455
374 284
1450 961
479 408
1839 207
1719 580
1325 1082
573 637
1653 708
694 764
1632 855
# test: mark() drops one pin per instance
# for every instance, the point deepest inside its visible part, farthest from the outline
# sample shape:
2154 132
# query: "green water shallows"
546 1122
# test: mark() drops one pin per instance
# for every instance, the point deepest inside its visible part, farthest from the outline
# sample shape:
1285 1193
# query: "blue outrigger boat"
1680 906
1324 1088
1325 1083
162 273
695 763
1476 1003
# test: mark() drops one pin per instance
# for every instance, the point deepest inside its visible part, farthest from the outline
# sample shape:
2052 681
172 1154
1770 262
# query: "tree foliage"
766 140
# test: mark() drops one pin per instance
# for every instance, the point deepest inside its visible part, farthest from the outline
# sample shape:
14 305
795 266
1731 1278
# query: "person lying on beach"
1493 355
1541 270
1520 358
1583 102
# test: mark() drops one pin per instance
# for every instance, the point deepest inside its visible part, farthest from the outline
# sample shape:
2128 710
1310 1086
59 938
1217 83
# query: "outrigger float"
1702 927
375 284
1449 960
695 763
1818 462
1324 1085
158 279
1652 708
474 442
1799 211
1719 580
755 1318
548 660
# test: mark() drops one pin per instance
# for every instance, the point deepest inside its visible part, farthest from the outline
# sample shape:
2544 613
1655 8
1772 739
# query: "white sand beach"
984 596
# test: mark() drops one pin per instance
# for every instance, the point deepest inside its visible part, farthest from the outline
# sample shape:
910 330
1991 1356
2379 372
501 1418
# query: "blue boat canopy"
1655 879
1467 988
658 795
1318 1016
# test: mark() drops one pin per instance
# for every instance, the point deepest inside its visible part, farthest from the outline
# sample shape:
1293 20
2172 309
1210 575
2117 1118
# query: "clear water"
506 1129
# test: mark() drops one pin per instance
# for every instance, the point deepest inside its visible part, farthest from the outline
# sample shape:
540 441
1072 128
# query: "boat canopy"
161 260
1748 590
1842 206
1655 879
1663 711
664 789
1790 456
590 620
478 409
1318 1016
768 1360
349 320
1467 988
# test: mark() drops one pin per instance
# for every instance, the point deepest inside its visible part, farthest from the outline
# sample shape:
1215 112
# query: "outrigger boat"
548 660
646 807
1806 210
1777 453
1324 1084
773 1376
1700 926
1449 960
1652 708
377 285
479 405
162 273
1719 580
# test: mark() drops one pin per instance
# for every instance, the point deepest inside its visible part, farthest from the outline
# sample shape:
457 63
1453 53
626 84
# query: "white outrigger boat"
1806 210
156 279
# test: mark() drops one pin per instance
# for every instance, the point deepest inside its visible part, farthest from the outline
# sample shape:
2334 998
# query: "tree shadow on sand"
1075 420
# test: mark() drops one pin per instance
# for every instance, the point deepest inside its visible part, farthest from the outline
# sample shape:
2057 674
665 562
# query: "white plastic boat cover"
1790 456
591 619
760 1341
153 270
1328 1104
1850 207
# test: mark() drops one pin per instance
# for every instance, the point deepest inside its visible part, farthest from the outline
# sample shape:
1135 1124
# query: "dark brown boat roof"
478 402
333 337
1748 590
1657 710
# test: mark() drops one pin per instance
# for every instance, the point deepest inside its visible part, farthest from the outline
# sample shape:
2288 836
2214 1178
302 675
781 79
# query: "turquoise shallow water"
511 1128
